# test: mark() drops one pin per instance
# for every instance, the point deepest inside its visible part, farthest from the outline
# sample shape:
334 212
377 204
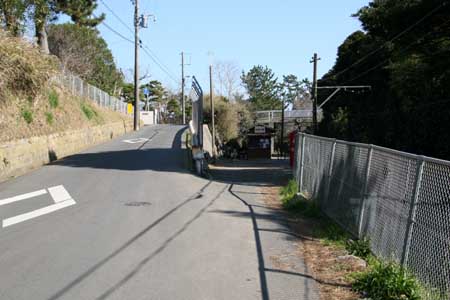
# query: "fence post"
302 161
412 213
364 191
330 171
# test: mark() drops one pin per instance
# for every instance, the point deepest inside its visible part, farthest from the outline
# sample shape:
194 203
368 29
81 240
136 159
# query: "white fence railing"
82 89
399 201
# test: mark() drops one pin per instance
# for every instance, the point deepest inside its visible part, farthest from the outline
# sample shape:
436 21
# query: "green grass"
360 248
27 115
49 118
387 281
297 204
88 111
53 99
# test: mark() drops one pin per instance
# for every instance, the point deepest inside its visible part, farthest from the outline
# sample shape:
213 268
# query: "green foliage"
360 248
53 99
297 204
407 107
262 88
49 118
88 111
27 115
387 281
12 15
84 52
331 234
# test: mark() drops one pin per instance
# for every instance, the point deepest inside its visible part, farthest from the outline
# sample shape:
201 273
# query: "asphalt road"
126 220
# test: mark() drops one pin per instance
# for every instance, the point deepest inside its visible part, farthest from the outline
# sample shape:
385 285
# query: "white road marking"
38 212
136 141
59 193
22 197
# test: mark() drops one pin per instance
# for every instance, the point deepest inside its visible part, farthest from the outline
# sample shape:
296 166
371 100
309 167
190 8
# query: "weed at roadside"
27 115
53 99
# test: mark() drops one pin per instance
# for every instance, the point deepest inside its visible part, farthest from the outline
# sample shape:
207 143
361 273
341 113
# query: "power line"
391 40
118 18
149 52
402 50
116 32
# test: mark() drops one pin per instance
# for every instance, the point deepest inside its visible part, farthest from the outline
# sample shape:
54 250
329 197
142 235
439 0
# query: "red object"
292 147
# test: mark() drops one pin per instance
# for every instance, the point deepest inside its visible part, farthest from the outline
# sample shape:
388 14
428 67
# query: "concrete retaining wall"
20 156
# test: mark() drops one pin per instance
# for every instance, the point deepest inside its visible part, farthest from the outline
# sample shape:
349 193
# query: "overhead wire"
151 54
409 28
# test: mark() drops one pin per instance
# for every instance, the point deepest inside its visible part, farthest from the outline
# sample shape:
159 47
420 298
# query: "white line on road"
22 197
136 141
37 212
59 193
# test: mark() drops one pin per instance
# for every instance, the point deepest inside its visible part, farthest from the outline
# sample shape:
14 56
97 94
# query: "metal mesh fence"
79 88
399 201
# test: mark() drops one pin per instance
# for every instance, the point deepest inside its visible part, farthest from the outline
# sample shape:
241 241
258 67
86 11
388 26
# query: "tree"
84 52
12 15
43 11
226 79
262 88
409 71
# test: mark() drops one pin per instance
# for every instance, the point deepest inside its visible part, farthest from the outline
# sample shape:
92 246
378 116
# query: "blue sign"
146 91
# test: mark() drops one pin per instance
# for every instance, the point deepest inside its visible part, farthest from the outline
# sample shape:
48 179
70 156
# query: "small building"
260 142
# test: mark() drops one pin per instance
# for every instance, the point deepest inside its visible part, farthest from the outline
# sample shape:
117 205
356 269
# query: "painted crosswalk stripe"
38 212
22 197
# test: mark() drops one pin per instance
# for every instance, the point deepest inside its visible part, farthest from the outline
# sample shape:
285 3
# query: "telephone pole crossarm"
339 88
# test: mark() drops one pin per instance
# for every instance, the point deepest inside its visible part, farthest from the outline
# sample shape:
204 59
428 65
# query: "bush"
387 281
360 248
295 203
88 111
332 234
27 115
53 99
49 118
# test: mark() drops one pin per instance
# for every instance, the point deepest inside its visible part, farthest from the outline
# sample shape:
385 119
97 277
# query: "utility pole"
182 89
136 65
211 99
282 127
314 60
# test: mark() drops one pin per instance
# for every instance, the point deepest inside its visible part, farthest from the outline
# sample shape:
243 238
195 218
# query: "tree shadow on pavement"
141 158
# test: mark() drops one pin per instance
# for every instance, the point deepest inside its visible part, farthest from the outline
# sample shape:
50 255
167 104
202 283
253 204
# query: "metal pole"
330 170
314 93
136 65
211 99
412 213
364 191
183 109
282 128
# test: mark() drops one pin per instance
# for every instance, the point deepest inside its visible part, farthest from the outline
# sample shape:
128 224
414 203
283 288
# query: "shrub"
360 248
88 111
332 234
49 118
53 99
295 203
27 115
387 281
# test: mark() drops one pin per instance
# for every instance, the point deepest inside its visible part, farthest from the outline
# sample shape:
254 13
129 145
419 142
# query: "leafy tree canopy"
262 88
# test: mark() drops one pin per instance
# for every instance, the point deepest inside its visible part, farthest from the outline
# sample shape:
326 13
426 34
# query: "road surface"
127 220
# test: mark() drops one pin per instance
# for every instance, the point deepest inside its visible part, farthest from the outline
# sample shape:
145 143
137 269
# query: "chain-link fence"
399 201
78 87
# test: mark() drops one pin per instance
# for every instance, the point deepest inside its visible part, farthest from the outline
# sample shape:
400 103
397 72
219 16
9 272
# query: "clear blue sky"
280 34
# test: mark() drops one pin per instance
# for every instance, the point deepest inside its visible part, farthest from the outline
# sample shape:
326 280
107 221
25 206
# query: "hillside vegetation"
31 102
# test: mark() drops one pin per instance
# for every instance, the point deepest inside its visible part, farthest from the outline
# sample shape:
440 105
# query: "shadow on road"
127 244
157 159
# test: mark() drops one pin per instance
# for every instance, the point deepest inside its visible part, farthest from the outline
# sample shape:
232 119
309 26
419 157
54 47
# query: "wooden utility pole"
183 109
282 128
314 92
136 65
211 99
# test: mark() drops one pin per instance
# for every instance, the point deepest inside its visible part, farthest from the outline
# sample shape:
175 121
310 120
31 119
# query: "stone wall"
20 156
